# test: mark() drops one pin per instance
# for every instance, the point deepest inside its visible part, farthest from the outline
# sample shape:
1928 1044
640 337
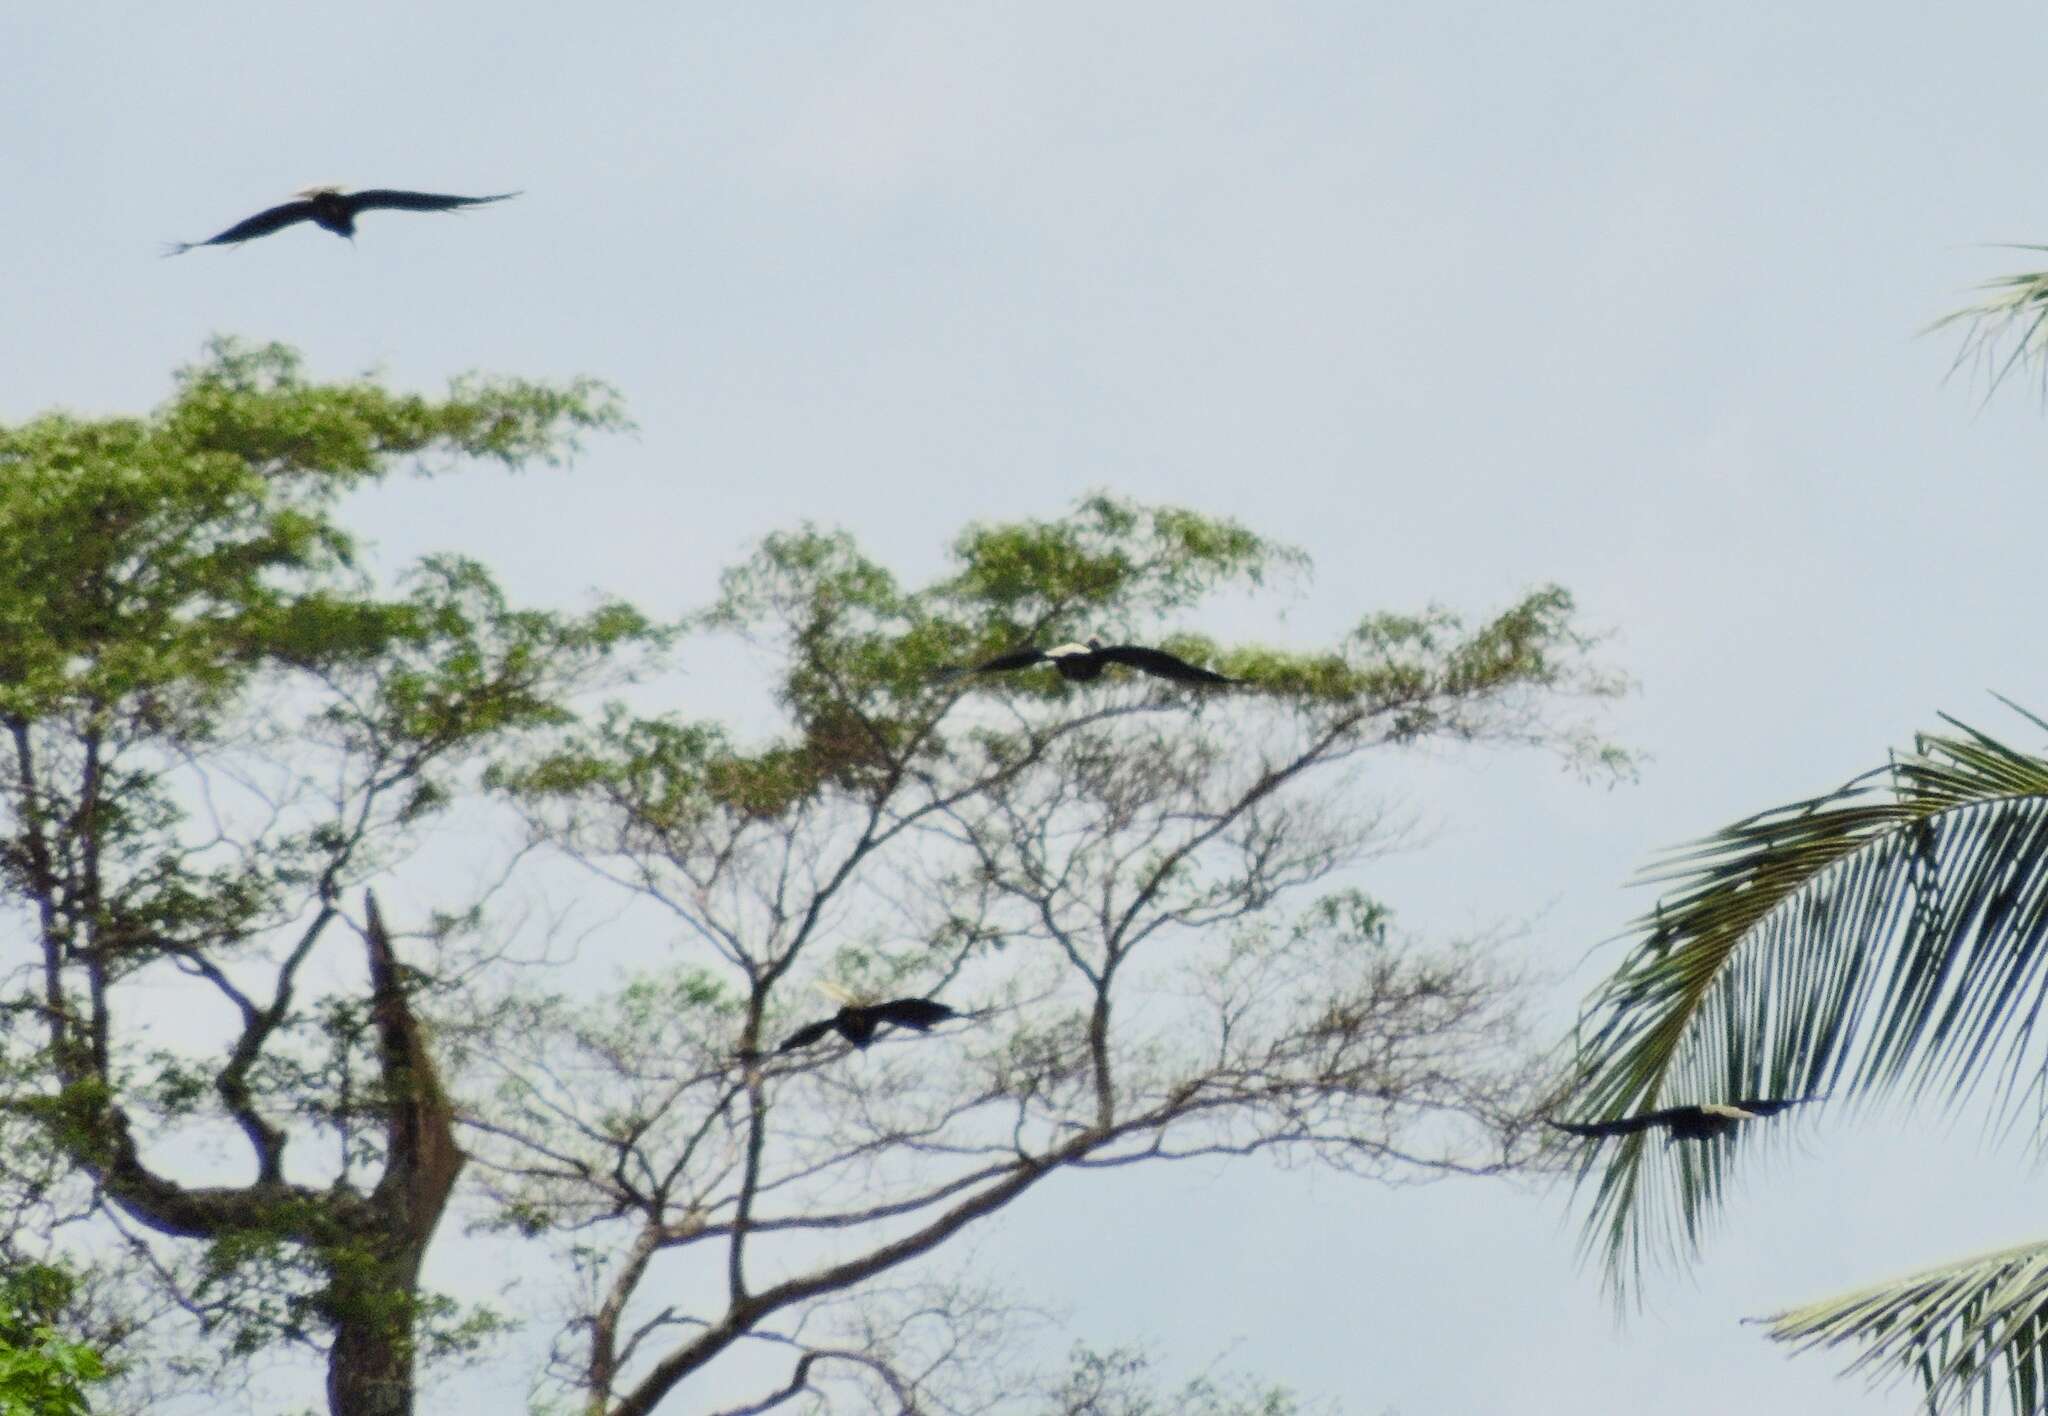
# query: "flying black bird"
331 209
1687 1123
1078 663
856 1022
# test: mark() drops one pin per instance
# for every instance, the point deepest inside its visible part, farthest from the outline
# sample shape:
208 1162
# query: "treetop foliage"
153 562
862 681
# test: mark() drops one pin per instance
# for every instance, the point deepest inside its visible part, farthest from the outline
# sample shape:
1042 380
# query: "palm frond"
1958 1328
1892 935
2015 305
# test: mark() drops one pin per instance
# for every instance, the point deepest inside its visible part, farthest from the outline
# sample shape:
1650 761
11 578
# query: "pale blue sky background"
1458 298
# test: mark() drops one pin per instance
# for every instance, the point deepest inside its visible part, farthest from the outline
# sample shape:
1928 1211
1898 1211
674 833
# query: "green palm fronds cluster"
1890 937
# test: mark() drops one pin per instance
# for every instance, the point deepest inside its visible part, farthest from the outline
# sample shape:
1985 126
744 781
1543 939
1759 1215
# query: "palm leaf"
1957 1327
2014 304
1892 935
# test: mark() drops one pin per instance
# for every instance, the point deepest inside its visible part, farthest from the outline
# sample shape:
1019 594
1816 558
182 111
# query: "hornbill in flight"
856 1022
334 210
1687 1123
1078 663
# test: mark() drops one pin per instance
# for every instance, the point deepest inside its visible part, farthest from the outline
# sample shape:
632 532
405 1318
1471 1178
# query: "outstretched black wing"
1686 1122
261 224
1161 663
1619 1126
919 1013
807 1034
384 199
1015 659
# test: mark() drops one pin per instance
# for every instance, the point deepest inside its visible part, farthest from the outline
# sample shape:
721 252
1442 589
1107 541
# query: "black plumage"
1688 1123
332 209
1078 663
857 1022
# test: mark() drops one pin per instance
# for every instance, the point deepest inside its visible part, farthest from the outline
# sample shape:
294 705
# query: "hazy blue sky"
1458 298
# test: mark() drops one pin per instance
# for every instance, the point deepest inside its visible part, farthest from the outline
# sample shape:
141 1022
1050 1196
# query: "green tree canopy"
214 727
246 1101
1130 887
